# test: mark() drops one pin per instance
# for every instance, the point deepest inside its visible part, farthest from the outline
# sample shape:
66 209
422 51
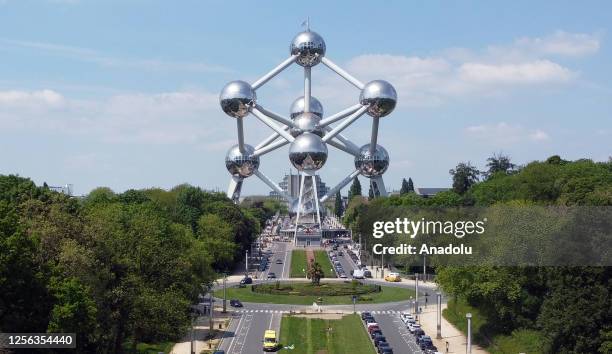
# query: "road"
248 324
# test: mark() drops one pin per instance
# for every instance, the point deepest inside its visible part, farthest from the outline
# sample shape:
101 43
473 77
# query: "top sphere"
237 99
380 96
297 107
308 152
309 47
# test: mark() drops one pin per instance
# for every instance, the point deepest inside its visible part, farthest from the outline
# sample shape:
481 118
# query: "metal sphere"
372 165
297 107
380 96
241 164
309 47
306 122
237 98
308 152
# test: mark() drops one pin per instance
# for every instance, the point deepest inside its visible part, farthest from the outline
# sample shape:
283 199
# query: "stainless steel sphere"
309 47
381 97
241 164
297 107
372 165
237 98
308 152
306 122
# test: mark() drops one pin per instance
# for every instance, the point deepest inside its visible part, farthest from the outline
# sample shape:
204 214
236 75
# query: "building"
429 192
291 185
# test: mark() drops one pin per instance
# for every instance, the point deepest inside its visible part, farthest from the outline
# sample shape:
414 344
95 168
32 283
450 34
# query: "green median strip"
322 258
299 264
330 336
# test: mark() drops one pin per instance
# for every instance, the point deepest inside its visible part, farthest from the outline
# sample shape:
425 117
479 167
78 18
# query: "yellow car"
269 343
394 277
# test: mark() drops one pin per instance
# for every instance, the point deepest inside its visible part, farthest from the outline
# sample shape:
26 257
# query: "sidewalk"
201 334
456 340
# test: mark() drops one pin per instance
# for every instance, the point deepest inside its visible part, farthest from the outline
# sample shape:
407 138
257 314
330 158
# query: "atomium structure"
309 132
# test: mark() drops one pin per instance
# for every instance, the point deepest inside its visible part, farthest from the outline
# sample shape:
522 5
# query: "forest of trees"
559 309
117 269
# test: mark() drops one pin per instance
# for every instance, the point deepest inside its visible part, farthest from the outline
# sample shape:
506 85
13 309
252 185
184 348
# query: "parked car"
379 338
375 333
382 346
418 332
365 314
413 326
235 303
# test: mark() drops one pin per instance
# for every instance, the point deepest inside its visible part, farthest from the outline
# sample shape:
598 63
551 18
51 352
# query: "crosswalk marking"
261 311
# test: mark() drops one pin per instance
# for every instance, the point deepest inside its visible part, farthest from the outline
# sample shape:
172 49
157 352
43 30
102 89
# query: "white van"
358 274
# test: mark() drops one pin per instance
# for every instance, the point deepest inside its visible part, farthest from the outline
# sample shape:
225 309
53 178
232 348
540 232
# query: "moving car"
269 343
393 277
278 261
246 280
367 273
235 303
271 275
358 274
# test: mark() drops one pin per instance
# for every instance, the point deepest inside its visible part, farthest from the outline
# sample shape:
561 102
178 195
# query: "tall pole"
211 325
224 292
416 293
382 265
246 263
192 348
468 349
439 316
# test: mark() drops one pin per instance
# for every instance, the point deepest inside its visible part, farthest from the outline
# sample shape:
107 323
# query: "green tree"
464 176
355 189
499 163
315 273
407 186
338 205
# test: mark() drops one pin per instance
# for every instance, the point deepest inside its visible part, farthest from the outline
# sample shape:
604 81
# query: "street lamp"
469 333
224 292
439 315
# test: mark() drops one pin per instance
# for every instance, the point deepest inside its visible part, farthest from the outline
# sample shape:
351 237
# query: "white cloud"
506 134
562 43
536 72
165 118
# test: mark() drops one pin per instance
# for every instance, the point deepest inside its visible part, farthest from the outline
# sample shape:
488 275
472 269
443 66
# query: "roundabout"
327 293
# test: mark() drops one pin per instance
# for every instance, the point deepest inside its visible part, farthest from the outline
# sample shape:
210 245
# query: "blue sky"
124 93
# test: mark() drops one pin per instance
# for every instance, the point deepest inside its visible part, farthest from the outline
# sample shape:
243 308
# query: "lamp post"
224 292
416 293
468 349
439 316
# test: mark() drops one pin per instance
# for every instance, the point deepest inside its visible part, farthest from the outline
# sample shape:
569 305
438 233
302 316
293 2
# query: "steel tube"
342 114
240 126
339 186
270 147
282 66
348 121
307 88
268 121
338 70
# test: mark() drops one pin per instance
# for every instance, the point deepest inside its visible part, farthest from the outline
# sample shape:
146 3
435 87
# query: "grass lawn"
146 348
322 258
312 336
298 264
520 341
388 294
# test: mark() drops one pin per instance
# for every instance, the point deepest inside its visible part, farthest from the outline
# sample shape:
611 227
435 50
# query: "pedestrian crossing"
376 312
262 311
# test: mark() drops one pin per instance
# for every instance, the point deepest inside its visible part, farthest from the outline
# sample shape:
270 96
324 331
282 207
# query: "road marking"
229 349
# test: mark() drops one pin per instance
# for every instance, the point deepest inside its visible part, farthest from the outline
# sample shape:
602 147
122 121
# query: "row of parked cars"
333 256
376 334
422 340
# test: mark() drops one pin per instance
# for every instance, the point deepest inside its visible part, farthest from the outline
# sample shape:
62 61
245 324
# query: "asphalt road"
248 324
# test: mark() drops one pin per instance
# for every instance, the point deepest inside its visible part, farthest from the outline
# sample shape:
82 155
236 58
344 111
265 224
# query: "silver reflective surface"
309 47
372 165
380 96
237 98
241 164
306 122
297 107
308 152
